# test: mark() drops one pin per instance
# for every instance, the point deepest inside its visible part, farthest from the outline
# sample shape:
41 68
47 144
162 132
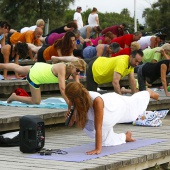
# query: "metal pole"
135 23
47 26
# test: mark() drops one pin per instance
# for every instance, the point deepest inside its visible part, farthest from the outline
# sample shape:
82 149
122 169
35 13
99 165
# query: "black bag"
9 142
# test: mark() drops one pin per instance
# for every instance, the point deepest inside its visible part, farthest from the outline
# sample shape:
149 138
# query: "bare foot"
153 94
11 98
129 137
122 90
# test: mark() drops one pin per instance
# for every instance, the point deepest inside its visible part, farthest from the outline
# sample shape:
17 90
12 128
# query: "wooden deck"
60 137
63 137
9 117
8 86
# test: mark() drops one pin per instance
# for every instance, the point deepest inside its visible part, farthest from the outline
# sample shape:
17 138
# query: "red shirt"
125 51
116 30
124 40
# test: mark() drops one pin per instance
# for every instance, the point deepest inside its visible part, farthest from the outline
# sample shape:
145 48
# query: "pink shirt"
95 41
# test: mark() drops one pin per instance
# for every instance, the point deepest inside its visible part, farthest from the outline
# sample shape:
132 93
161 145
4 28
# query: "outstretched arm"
63 58
33 47
98 106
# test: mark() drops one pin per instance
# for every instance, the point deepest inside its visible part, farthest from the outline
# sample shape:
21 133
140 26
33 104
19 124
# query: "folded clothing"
151 118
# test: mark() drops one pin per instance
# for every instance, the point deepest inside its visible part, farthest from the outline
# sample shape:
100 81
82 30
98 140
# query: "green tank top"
41 73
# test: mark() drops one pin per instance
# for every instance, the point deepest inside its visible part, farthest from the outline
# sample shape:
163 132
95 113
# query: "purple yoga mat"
78 153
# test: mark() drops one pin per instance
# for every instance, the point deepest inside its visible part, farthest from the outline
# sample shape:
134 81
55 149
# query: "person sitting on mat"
96 114
44 73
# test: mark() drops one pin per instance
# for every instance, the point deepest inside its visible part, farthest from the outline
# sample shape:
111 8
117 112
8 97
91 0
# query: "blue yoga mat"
50 103
78 153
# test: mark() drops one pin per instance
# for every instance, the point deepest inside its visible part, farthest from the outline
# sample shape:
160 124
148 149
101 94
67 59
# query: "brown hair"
72 25
109 34
65 44
94 9
81 99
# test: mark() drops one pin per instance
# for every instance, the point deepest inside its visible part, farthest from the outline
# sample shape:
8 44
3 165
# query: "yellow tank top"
103 68
41 73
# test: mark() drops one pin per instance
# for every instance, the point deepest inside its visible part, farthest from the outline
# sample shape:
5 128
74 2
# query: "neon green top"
41 73
103 68
150 55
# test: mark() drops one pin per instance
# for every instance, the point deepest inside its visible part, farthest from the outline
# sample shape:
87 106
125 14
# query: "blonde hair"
80 64
135 45
40 22
166 46
81 100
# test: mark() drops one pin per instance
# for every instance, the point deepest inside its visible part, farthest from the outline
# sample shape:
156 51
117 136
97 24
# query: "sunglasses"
77 70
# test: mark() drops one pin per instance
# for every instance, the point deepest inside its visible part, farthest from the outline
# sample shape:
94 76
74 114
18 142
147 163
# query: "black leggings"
91 84
40 57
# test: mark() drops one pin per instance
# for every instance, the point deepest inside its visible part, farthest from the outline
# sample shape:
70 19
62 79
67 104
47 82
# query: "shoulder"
94 95
5 47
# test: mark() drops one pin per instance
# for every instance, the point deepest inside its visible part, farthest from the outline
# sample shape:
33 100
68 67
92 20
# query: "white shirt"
78 18
117 109
145 42
92 19
32 28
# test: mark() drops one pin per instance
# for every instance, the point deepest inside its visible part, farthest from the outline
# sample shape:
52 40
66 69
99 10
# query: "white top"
92 19
78 18
145 42
32 28
117 109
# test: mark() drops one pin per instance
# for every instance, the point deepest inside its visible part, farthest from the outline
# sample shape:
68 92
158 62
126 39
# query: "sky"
115 6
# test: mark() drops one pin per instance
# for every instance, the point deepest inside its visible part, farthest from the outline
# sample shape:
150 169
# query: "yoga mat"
50 103
78 153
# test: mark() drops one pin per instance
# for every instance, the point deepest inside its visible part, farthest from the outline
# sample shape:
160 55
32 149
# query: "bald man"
27 37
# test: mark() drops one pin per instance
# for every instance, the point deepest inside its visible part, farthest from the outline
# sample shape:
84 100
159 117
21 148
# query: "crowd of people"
106 55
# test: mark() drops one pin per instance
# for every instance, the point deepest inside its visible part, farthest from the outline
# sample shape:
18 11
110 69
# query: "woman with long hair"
62 47
43 73
96 114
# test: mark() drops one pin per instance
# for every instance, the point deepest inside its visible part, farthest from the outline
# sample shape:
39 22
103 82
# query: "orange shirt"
27 37
49 52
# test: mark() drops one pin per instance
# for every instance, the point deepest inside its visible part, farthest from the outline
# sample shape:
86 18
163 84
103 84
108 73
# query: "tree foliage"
157 17
22 13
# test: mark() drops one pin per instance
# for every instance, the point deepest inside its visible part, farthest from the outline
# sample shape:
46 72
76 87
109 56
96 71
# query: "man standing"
78 18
